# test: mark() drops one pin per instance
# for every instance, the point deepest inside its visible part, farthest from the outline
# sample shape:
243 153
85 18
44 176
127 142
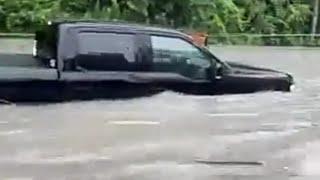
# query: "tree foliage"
216 16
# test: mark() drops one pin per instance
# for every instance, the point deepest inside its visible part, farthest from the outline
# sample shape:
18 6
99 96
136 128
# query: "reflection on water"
161 136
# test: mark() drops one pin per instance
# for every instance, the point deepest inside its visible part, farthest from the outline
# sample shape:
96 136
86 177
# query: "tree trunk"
315 17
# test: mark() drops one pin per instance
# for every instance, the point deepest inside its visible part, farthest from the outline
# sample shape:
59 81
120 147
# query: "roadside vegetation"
227 21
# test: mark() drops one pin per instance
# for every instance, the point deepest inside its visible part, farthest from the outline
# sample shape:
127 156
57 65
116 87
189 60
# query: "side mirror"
215 72
219 71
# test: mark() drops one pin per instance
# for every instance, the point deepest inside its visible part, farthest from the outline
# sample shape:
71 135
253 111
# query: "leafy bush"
213 16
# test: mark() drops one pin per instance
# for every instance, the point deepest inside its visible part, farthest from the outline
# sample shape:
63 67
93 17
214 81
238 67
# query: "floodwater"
268 135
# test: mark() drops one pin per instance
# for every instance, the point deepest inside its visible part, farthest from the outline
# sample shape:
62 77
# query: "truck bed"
23 67
19 60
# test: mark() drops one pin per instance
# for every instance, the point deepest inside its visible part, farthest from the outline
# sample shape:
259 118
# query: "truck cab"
90 60
76 46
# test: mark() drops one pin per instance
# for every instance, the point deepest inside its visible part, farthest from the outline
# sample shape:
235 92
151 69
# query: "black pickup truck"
85 60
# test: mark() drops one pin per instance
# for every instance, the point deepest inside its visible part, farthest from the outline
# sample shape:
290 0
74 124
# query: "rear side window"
105 51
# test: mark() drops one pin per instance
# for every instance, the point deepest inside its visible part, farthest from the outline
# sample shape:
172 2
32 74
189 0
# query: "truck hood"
248 69
239 68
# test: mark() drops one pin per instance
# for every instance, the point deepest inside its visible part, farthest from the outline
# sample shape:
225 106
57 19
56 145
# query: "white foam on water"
233 114
4 122
37 157
128 123
18 178
81 158
12 132
252 136
289 125
311 164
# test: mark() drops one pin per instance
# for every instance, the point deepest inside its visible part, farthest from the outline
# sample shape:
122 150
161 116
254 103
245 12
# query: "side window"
105 51
179 56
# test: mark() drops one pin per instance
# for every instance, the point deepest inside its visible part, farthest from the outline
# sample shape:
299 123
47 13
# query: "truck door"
103 65
178 56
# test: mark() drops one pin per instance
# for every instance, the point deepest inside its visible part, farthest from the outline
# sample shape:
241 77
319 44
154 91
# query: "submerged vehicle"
83 60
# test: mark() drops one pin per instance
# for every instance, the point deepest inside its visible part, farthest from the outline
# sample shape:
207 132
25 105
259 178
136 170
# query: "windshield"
224 64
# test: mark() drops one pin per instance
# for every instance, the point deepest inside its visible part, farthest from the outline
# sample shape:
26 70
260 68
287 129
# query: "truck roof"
122 26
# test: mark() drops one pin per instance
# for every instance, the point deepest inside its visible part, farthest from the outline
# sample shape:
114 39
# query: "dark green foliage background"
218 17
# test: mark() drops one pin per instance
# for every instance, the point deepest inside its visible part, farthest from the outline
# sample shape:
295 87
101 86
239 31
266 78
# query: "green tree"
214 16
